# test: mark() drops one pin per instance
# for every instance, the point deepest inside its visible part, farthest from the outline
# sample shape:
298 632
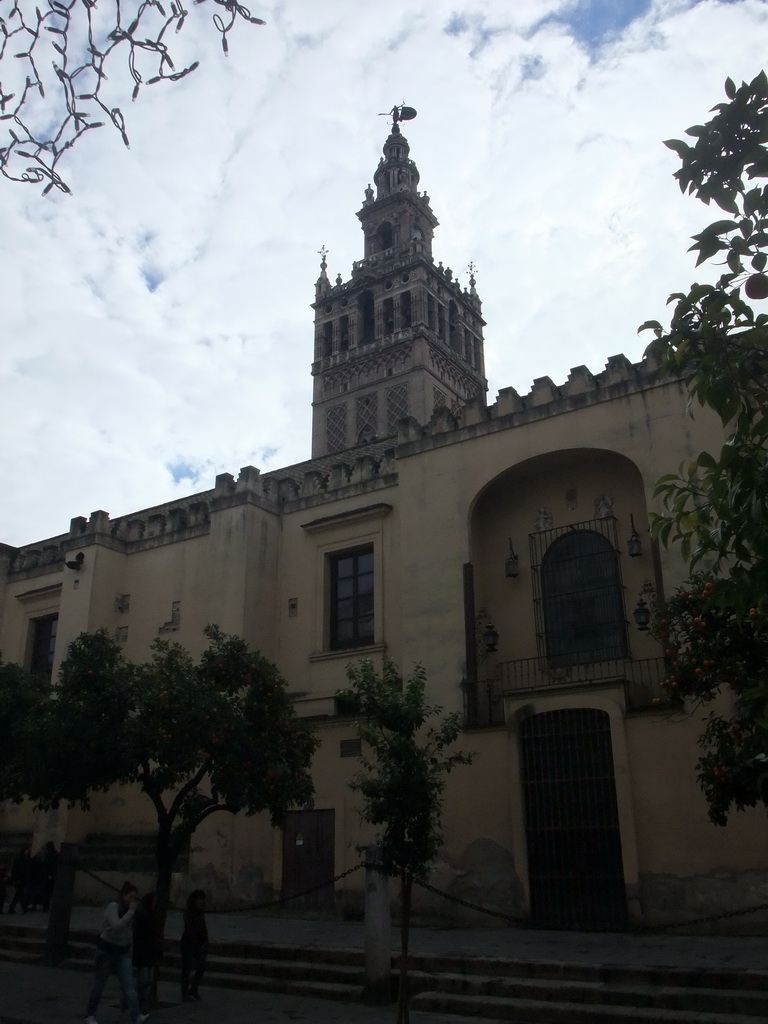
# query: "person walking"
50 862
113 954
3 885
194 946
146 949
21 878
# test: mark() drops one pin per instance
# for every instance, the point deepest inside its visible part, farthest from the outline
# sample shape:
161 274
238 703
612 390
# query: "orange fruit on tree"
756 286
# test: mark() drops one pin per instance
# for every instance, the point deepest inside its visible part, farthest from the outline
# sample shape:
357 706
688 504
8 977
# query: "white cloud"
159 318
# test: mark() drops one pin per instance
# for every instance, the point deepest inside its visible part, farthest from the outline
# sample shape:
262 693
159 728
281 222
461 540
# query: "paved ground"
40 995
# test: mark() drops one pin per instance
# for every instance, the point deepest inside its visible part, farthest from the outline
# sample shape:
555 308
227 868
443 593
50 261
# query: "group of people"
31 879
129 948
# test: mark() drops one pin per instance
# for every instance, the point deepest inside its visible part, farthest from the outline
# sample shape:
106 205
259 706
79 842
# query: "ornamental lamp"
490 638
634 544
642 616
511 566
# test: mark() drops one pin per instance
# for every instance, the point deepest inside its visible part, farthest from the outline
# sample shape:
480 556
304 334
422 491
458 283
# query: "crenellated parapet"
173 521
331 477
316 482
582 388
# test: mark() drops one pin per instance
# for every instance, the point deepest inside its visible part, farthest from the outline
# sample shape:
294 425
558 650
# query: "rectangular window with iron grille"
351 618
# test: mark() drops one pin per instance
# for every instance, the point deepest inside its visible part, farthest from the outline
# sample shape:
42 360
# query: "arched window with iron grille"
581 601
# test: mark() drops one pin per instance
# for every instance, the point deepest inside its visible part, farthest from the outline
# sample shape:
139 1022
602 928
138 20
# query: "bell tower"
401 337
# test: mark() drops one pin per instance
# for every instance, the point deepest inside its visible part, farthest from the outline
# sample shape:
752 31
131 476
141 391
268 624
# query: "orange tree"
710 649
716 505
22 695
197 739
403 776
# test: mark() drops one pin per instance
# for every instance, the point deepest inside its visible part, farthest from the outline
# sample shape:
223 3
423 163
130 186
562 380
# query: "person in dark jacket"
21 879
3 885
146 949
194 946
50 862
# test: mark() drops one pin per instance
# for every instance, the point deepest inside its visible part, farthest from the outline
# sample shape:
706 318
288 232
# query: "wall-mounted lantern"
634 544
490 638
511 566
642 615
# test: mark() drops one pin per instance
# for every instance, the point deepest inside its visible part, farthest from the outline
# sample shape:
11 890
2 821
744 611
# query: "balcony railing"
641 679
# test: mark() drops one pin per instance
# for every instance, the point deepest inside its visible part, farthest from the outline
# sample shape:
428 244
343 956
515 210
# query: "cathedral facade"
504 546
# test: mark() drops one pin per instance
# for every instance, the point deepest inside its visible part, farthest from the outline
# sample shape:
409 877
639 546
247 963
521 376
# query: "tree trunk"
406 885
165 859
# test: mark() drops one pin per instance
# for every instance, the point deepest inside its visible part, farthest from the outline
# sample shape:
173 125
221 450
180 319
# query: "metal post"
57 935
378 931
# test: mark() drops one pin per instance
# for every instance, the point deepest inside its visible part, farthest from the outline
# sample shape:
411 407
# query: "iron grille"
366 414
336 427
571 821
397 406
578 593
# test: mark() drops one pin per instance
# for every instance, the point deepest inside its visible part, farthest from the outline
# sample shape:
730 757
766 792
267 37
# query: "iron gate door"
308 859
572 821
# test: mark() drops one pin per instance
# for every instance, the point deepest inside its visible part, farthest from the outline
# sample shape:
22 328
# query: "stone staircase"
485 988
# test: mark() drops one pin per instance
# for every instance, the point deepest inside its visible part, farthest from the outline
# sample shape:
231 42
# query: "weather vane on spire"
400 113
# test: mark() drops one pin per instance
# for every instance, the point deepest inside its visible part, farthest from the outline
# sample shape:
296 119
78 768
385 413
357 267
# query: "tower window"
388 316
469 348
344 333
406 309
328 339
453 327
431 314
367 319
384 237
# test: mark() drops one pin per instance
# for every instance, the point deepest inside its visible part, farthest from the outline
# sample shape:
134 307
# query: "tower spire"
401 337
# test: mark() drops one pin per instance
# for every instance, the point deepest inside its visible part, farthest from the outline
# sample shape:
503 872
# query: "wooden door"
308 860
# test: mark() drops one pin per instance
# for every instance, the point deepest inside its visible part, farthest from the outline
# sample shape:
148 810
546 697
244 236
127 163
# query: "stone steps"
533 1011
484 988
589 994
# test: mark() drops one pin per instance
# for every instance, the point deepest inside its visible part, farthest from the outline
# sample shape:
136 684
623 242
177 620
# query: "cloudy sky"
155 325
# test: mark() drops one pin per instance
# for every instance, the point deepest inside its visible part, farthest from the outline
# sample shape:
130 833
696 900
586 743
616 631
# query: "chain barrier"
278 901
725 915
471 906
509 918
80 41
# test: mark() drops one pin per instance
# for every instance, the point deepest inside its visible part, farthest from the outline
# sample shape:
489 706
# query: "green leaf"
679 147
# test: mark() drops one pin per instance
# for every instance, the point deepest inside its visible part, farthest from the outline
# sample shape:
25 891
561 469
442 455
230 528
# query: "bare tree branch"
78 38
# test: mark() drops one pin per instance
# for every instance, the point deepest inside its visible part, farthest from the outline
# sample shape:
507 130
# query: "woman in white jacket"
113 954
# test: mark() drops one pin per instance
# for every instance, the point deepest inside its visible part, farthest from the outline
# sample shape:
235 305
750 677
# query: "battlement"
330 477
582 388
